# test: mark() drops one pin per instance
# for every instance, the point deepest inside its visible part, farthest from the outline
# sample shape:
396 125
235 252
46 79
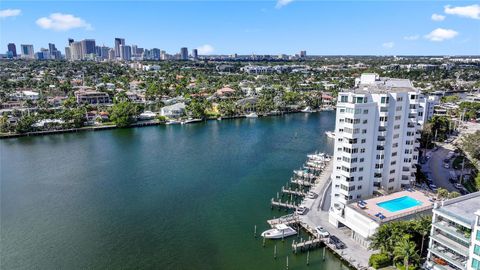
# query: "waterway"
161 197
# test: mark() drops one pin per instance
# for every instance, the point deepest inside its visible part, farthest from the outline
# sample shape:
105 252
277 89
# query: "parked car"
337 242
322 232
458 186
301 210
311 195
446 165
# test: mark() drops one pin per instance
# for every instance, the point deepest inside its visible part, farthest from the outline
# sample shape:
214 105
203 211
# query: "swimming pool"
399 204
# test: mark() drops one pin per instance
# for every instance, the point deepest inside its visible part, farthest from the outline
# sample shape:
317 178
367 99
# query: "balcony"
380 128
451 244
380 148
451 230
381 138
450 257
411 125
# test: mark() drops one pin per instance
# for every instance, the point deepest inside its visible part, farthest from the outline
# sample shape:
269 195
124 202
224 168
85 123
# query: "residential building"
474 256
377 135
127 54
27 51
173 111
184 53
118 42
68 54
88 48
91 97
13 49
303 54
454 239
76 51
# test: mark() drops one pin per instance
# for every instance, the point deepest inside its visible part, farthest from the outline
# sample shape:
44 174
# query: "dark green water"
164 197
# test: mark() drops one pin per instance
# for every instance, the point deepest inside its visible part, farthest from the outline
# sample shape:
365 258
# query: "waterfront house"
92 97
173 111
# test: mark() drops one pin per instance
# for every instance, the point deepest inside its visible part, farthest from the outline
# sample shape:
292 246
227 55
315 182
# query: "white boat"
173 122
307 110
280 231
147 115
330 134
190 120
251 115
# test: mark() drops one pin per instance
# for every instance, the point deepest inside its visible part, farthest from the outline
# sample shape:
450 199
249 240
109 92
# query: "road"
434 166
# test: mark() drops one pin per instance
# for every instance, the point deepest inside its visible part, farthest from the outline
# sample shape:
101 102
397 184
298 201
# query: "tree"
197 107
442 193
405 250
422 226
24 124
123 113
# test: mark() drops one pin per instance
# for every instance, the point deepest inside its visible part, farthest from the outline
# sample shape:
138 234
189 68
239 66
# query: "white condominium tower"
376 146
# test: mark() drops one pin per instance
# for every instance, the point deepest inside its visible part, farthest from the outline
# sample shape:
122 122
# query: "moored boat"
251 115
330 134
278 232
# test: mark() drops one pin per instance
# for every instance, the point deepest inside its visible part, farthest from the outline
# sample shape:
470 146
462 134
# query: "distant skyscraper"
104 52
52 51
155 54
184 53
134 50
88 46
70 41
111 54
68 54
27 51
12 48
127 55
76 52
118 42
195 54
303 54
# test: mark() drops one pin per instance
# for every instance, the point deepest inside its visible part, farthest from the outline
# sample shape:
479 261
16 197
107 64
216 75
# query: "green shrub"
379 260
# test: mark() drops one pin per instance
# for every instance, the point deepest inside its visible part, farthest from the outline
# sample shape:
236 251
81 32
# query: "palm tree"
422 226
406 250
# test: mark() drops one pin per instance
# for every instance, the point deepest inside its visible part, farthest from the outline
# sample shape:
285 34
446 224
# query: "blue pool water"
399 204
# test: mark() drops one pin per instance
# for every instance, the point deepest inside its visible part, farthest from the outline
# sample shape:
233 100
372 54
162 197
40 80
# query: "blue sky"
244 27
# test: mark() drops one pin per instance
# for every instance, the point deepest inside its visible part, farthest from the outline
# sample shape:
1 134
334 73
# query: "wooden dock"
287 220
301 182
293 192
283 205
305 245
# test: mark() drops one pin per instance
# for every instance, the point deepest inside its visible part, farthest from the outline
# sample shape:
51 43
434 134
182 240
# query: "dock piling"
308 257
275 252
255 231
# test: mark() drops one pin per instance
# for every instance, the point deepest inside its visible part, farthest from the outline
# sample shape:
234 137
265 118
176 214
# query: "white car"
322 232
446 166
311 195
458 186
301 210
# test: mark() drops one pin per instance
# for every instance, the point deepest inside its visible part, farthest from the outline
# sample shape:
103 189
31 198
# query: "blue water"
399 204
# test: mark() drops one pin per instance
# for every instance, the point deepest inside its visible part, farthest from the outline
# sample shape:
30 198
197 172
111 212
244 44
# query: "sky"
373 27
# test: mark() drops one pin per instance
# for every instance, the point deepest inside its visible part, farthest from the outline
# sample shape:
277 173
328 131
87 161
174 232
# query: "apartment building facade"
376 140
454 237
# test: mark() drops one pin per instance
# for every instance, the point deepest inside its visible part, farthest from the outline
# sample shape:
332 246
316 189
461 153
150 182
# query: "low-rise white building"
173 111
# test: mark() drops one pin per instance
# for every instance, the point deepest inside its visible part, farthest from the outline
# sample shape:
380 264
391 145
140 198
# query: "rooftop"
463 207
372 208
372 83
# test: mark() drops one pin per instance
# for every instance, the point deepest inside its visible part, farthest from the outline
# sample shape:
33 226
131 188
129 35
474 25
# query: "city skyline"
320 28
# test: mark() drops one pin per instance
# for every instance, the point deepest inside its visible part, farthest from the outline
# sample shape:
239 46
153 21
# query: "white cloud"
437 17
4 13
472 11
414 37
205 49
282 3
388 45
62 22
441 34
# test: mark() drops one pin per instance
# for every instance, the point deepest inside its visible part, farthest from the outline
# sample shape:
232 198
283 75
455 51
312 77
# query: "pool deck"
372 208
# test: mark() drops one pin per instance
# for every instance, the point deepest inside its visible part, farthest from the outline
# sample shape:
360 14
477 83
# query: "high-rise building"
195 54
104 52
70 41
118 42
88 46
111 54
376 140
134 50
303 54
68 54
76 51
454 236
127 55
27 51
184 53
12 48
54 53
155 54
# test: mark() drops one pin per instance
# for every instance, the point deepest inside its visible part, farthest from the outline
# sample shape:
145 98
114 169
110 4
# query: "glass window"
476 249
478 235
475 264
